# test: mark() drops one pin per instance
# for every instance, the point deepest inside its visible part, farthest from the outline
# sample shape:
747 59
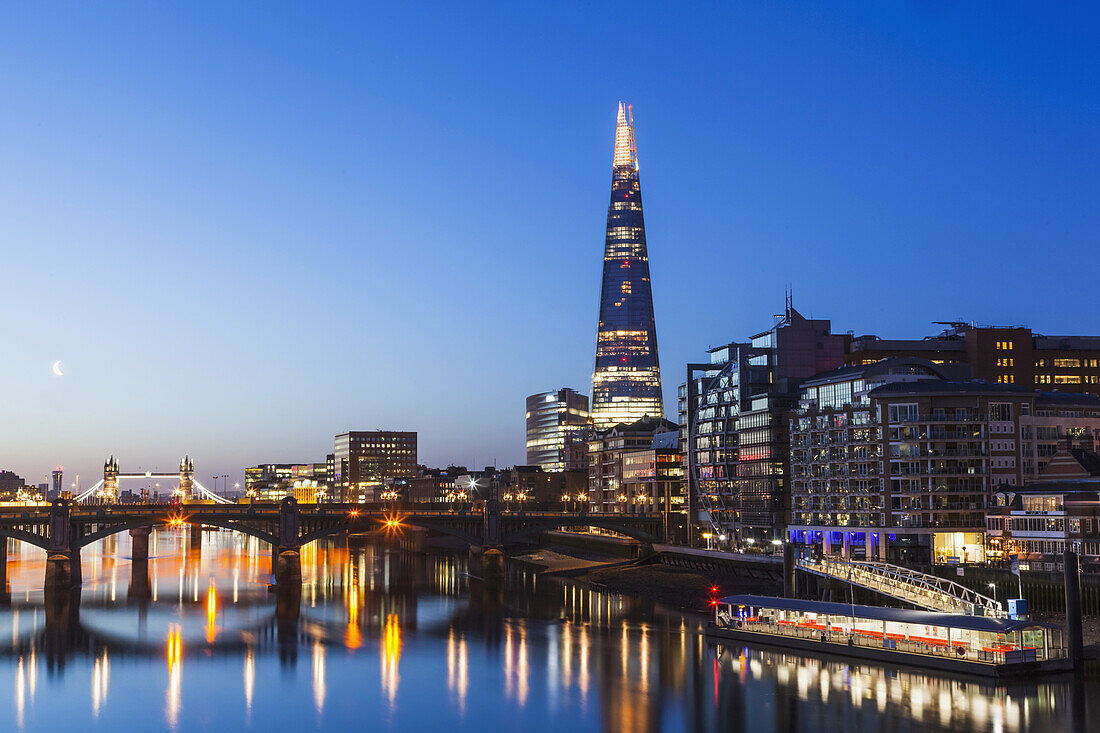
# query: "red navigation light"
714 590
714 601
624 360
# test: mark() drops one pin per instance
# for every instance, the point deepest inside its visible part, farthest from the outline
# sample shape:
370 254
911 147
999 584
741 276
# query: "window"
1000 411
1004 346
903 413
1066 379
1007 362
1071 363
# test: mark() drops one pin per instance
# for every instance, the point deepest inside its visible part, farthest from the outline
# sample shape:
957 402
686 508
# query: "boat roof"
882 613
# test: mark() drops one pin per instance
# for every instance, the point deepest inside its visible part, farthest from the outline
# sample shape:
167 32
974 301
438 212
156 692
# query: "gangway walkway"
920 589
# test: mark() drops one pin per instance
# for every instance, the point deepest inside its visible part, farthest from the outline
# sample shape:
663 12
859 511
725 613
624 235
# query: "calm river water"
389 641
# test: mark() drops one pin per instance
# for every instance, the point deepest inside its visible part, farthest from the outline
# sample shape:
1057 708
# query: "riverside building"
626 383
734 434
894 461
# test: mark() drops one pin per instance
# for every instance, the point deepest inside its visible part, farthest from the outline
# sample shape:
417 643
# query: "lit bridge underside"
65 527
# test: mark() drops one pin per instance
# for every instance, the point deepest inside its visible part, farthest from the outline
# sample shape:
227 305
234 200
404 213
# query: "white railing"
920 589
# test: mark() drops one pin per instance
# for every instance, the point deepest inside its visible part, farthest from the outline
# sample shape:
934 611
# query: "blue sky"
244 227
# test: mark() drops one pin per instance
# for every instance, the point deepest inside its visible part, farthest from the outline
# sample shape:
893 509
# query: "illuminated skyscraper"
626 384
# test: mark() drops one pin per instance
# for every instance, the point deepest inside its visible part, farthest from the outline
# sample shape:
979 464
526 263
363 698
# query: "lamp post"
994 587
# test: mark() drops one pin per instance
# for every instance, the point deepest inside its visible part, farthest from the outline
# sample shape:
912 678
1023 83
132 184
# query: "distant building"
307 482
626 383
10 485
556 421
607 454
533 487
57 483
1005 355
363 460
734 432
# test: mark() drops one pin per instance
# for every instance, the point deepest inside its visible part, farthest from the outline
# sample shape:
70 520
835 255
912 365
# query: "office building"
626 383
363 460
556 421
57 483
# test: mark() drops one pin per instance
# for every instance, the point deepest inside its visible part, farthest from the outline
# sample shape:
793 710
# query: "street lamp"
994 587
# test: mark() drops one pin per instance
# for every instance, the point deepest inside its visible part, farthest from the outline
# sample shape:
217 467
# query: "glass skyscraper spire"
627 381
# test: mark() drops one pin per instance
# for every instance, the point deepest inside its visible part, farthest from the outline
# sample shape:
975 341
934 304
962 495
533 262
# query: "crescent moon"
56 369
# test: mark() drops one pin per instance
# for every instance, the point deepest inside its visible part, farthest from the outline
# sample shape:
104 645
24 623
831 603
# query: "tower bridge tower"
187 476
110 479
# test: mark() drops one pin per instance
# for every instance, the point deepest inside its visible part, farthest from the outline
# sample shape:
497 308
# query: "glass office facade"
626 384
555 422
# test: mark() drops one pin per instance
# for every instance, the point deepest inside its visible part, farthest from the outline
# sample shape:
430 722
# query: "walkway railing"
920 589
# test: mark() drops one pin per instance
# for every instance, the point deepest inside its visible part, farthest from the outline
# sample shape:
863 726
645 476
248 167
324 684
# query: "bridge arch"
372 523
128 524
40 541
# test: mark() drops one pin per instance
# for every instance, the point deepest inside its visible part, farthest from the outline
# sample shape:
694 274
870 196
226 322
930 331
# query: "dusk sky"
243 228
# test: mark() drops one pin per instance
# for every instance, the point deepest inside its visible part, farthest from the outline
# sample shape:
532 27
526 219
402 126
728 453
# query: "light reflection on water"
413 642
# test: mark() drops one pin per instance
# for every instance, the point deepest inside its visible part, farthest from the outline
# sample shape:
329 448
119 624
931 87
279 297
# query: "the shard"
626 384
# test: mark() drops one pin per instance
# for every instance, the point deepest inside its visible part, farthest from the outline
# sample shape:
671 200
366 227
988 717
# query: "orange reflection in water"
211 613
175 657
354 639
391 655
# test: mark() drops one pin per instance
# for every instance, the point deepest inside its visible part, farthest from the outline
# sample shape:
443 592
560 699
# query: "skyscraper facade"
626 384
556 421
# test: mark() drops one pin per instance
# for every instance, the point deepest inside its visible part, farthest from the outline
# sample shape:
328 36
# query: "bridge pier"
62 557
286 560
139 566
63 569
195 537
139 538
287 566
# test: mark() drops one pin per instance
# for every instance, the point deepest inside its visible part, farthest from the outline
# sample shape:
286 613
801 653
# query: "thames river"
385 640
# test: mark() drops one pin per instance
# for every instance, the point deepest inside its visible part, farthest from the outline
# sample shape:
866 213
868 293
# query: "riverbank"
688 590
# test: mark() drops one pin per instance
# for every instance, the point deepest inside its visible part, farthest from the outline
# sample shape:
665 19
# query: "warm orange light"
175 646
392 523
391 655
354 640
176 520
211 613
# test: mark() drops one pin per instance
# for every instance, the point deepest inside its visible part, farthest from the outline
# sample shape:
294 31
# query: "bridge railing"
920 589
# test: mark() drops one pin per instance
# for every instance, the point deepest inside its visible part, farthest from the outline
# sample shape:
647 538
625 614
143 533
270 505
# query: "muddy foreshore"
688 590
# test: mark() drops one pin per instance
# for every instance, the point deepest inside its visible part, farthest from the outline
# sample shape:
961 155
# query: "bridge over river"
65 527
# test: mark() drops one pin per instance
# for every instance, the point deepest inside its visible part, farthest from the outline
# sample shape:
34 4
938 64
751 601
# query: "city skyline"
202 301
